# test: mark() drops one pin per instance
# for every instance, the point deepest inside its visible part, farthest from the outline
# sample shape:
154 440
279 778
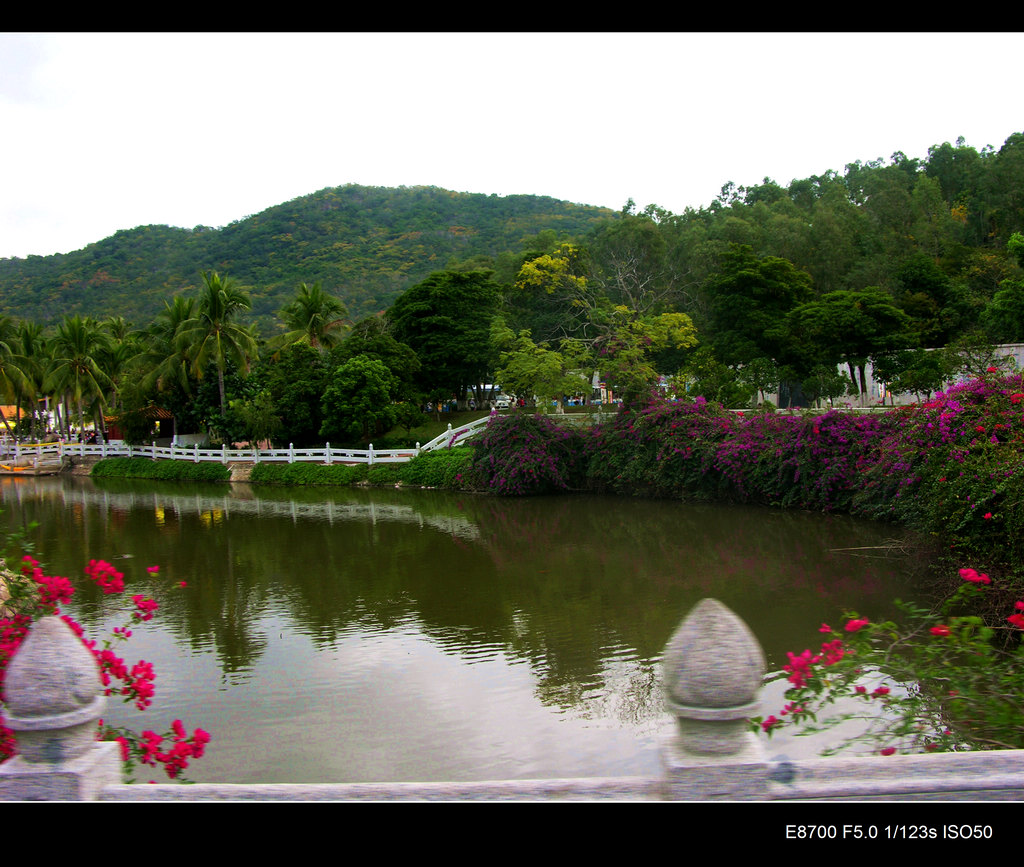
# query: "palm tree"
31 355
212 336
76 373
314 317
11 377
166 358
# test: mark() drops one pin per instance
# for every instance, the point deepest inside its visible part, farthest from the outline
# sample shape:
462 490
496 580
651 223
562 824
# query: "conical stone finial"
54 694
713 668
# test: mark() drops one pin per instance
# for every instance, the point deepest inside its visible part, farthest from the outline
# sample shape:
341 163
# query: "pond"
376 635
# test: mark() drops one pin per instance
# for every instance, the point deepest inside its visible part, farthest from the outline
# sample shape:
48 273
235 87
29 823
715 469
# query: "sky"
102 132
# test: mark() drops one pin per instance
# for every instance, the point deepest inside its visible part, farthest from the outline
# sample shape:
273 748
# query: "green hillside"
364 244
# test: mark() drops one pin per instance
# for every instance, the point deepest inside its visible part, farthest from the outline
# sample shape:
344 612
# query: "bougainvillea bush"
31 593
953 467
661 449
811 462
522 454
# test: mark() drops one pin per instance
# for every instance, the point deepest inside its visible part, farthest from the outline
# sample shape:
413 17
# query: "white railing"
460 434
224 455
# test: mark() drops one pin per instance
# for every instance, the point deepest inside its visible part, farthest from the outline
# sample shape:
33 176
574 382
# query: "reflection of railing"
198 503
712 669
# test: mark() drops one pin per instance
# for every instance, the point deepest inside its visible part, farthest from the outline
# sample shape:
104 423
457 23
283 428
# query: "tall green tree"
214 336
446 320
750 299
530 370
850 327
359 400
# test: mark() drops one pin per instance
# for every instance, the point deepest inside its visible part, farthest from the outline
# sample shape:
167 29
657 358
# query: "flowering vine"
940 682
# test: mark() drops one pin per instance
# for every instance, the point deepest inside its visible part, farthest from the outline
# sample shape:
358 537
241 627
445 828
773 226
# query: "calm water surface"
384 635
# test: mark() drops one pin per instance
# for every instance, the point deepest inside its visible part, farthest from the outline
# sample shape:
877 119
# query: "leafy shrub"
445 468
144 468
308 474
448 468
383 474
947 681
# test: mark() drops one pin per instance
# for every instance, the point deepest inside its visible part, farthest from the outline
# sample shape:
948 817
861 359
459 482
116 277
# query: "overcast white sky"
102 132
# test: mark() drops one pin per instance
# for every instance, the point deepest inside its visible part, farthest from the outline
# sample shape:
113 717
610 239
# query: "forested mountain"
364 244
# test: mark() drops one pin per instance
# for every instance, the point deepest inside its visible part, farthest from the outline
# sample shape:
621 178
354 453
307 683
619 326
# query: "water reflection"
353 635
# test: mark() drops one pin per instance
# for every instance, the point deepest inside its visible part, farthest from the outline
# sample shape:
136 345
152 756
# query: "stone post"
713 667
54 700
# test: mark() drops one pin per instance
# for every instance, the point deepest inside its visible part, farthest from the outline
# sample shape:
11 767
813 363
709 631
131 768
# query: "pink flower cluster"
1018 618
799 667
975 577
105 576
175 759
52 588
145 608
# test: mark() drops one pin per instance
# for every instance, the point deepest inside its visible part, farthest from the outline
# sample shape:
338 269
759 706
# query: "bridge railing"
712 670
321 455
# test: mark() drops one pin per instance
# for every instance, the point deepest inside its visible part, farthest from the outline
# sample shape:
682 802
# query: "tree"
632 265
296 379
259 417
213 336
920 371
1003 318
371 337
850 327
76 373
446 321
625 354
549 297
359 400
32 361
531 370
751 297
314 317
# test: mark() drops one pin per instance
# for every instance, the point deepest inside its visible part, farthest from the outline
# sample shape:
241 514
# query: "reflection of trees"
585 590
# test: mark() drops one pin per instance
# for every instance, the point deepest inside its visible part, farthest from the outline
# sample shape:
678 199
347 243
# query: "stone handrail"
713 667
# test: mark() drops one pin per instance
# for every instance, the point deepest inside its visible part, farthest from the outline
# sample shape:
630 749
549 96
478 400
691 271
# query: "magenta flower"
856 625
